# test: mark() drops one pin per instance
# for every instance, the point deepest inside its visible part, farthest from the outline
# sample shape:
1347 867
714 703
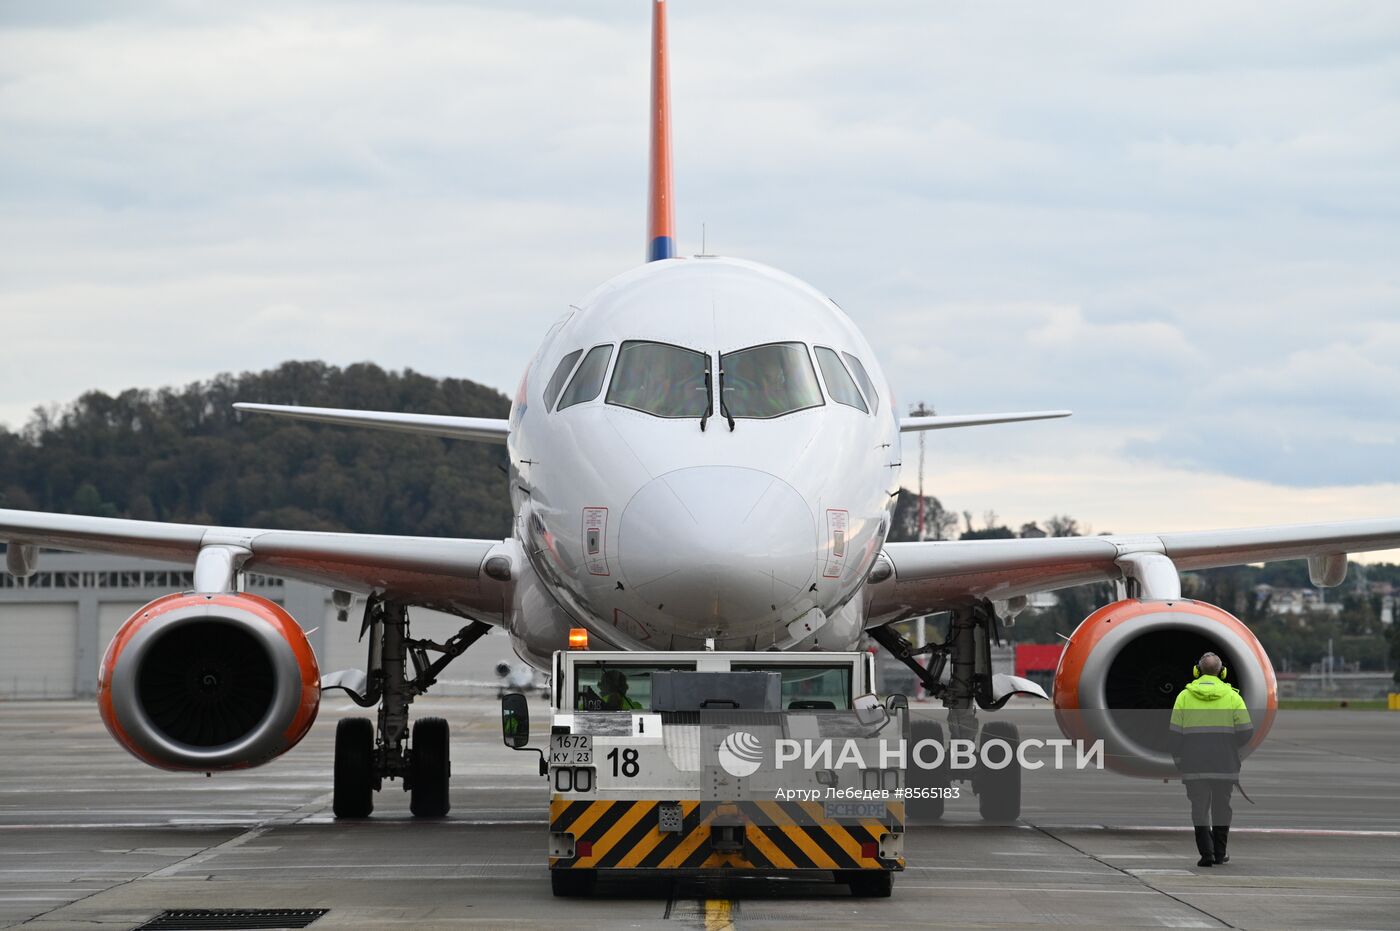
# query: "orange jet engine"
1125 664
209 682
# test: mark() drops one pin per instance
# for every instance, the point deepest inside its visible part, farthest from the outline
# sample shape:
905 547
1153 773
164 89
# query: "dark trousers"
1210 801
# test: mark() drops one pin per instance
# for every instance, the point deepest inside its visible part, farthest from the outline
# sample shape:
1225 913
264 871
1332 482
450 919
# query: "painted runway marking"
98 825
719 915
1042 889
1273 894
175 868
1004 869
289 817
339 866
1177 829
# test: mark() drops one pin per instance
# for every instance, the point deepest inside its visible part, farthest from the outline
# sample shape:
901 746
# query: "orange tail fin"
661 217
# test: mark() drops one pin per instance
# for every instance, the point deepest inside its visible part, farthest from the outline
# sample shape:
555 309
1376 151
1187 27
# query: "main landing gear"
967 651
368 752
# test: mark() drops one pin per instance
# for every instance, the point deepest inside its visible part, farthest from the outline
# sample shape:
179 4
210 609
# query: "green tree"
184 454
1395 650
938 521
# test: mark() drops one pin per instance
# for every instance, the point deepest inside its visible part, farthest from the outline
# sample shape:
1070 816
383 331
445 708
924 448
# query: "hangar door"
38 650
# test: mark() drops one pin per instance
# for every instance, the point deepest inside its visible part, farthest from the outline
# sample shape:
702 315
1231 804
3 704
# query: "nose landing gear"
368 752
967 655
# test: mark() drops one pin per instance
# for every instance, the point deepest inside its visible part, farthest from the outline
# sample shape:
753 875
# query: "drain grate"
232 919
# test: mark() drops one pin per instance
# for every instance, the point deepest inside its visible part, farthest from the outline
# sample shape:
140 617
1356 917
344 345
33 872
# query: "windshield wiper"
709 397
723 406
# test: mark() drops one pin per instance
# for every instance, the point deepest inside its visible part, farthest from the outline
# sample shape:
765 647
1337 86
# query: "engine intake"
209 682
1125 664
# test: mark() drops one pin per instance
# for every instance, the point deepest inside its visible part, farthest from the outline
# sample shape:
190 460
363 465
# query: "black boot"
1220 836
1206 846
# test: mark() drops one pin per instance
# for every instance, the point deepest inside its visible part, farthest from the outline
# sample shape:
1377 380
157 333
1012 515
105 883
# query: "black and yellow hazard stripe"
777 836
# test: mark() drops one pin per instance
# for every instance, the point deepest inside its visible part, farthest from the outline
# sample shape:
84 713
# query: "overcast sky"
1181 220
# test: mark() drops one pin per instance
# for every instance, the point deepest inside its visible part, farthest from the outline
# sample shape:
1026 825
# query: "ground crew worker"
613 686
1209 726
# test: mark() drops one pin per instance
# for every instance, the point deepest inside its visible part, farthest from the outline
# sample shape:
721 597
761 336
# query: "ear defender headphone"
1196 672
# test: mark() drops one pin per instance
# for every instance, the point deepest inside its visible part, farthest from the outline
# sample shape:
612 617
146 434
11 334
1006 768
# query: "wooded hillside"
184 454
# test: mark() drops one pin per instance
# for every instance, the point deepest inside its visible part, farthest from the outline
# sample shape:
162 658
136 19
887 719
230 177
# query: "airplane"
704 454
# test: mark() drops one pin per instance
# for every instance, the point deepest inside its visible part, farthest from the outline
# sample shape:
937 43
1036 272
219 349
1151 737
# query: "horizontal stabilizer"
911 424
483 429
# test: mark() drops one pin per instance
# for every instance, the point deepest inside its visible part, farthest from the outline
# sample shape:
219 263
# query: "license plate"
854 810
570 750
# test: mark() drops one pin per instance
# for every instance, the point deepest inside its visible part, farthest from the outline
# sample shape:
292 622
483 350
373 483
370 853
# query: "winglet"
661 217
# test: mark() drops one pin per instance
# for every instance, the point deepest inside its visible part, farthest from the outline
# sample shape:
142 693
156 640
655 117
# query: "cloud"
1096 486
1318 416
1181 223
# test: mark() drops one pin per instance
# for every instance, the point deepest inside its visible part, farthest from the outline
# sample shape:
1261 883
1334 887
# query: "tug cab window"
556 381
588 380
660 379
768 381
866 384
811 688
616 687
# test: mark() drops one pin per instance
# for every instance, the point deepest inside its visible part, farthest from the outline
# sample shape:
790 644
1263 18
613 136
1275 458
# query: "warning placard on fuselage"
838 523
595 540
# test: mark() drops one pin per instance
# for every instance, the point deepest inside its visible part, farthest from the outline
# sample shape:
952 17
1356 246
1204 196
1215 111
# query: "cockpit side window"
768 381
556 381
866 384
588 380
660 379
839 383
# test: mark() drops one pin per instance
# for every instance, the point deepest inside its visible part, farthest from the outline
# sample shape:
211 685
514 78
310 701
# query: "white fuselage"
655 534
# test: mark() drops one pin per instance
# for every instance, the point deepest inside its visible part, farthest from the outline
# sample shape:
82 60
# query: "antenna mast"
921 411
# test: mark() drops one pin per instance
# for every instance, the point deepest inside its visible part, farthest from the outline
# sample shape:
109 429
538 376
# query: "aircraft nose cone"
719 549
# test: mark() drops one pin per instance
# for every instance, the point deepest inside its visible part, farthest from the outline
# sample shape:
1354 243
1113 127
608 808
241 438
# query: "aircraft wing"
483 429
938 575
952 421
440 573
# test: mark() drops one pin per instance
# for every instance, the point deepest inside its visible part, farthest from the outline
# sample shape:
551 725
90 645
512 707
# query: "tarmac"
91 838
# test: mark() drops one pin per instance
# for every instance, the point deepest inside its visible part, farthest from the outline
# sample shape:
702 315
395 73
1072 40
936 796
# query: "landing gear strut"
966 654
366 752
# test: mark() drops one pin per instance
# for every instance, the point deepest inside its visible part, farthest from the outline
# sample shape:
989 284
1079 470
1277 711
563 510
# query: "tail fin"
661 217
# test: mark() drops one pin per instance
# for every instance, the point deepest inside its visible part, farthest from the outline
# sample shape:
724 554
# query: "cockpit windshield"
556 381
866 385
588 380
768 381
839 383
660 379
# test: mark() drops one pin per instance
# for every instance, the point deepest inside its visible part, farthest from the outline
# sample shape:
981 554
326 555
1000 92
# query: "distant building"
1296 601
56 624
1388 596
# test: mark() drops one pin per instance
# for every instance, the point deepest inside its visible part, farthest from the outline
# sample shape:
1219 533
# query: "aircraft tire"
354 768
926 810
999 790
432 768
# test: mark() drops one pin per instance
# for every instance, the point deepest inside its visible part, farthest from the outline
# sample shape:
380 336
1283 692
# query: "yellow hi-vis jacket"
1209 725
